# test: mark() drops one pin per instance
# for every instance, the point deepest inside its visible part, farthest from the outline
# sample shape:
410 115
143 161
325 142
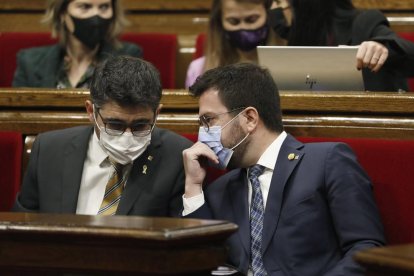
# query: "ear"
89 110
252 118
157 112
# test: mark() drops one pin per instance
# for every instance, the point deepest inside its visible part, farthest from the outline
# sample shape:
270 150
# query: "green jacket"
40 66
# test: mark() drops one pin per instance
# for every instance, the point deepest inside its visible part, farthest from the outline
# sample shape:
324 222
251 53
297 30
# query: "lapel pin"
291 156
144 169
296 157
150 157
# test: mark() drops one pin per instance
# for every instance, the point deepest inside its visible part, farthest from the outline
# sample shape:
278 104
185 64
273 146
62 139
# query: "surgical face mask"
91 31
212 139
124 148
247 40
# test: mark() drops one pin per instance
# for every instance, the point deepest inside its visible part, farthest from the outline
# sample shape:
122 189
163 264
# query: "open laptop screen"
312 68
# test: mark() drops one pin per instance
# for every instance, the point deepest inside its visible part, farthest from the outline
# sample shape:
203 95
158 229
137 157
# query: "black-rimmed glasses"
116 128
205 121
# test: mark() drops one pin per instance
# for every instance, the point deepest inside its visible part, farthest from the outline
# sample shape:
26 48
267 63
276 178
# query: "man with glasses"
122 164
302 209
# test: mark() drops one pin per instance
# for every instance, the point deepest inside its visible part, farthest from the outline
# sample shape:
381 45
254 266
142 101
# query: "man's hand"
195 159
372 55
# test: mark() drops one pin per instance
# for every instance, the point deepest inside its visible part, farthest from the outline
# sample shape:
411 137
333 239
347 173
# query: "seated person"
236 27
122 164
386 59
88 33
302 209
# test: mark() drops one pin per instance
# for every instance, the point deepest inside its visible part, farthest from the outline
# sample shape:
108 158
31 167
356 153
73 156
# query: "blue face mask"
212 139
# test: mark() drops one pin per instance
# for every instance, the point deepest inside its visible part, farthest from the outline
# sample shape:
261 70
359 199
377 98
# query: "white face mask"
125 148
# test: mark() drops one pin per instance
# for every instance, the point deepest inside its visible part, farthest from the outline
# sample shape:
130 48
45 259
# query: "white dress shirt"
96 172
267 160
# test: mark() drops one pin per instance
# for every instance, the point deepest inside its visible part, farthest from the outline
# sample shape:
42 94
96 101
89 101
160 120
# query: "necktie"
113 191
256 222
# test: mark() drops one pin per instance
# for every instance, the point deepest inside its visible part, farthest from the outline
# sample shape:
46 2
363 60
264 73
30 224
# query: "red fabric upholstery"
160 50
410 37
10 44
200 45
11 149
389 163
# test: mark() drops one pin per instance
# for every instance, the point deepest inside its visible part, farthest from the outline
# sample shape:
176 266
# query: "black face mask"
247 40
91 31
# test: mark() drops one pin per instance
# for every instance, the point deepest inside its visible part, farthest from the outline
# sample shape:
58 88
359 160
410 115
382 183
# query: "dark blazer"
40 66
320 210
52 180
352 27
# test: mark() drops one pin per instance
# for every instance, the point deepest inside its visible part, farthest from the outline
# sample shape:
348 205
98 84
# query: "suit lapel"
288 158
142 174
74 157
239 201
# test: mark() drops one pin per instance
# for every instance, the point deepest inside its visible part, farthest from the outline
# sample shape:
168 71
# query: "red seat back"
10 44
160 50
389 163
11 147
200 46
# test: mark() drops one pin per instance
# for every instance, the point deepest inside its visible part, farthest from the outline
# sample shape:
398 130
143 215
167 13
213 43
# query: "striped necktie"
256 222
113 191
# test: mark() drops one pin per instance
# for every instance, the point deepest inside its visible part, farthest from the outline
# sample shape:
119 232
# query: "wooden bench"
379 127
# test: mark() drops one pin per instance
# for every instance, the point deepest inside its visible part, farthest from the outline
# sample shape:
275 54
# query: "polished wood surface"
110 244
316 114
388 261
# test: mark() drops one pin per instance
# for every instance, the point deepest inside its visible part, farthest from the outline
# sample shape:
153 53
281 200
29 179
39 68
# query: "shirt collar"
98 154
269 156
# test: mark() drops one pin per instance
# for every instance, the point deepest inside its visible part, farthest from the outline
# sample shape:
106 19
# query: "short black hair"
243 85
127 81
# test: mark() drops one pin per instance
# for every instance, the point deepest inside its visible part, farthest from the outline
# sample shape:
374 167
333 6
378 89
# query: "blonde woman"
88 33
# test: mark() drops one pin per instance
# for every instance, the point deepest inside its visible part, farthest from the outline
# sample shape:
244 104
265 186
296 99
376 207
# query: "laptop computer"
312 68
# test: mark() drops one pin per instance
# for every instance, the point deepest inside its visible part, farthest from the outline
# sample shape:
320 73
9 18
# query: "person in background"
88 33
302 209
236 27
122 164
385 59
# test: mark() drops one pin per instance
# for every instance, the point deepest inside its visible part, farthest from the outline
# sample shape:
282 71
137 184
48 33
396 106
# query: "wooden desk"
388 261
45 243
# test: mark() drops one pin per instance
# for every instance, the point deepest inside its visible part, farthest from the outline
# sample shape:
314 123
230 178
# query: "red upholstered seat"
410 37
10 44
11 147
159 49
390 165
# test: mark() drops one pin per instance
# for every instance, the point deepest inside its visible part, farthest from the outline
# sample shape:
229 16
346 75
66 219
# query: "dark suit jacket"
320 210
40 66
52 180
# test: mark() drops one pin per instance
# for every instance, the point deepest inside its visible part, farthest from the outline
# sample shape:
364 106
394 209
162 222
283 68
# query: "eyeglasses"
205 121
116 128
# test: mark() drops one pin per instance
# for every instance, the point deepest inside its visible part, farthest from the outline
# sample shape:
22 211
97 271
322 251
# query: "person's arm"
353 210
20 75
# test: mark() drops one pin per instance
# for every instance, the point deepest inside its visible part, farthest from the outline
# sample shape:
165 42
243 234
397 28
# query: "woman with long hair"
385 58
87 31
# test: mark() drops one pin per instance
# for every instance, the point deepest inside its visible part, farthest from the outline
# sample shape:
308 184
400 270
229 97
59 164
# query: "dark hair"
128 81
312 22
243 85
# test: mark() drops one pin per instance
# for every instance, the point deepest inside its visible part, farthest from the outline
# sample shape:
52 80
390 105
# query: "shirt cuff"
192 203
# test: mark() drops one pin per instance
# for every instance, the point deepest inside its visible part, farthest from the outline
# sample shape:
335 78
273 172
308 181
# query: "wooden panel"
140 245
388 261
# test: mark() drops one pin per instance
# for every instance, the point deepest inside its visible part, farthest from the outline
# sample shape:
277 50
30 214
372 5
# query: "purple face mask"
247 40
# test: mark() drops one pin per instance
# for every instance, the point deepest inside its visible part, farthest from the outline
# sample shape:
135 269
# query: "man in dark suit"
122 164
302 209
